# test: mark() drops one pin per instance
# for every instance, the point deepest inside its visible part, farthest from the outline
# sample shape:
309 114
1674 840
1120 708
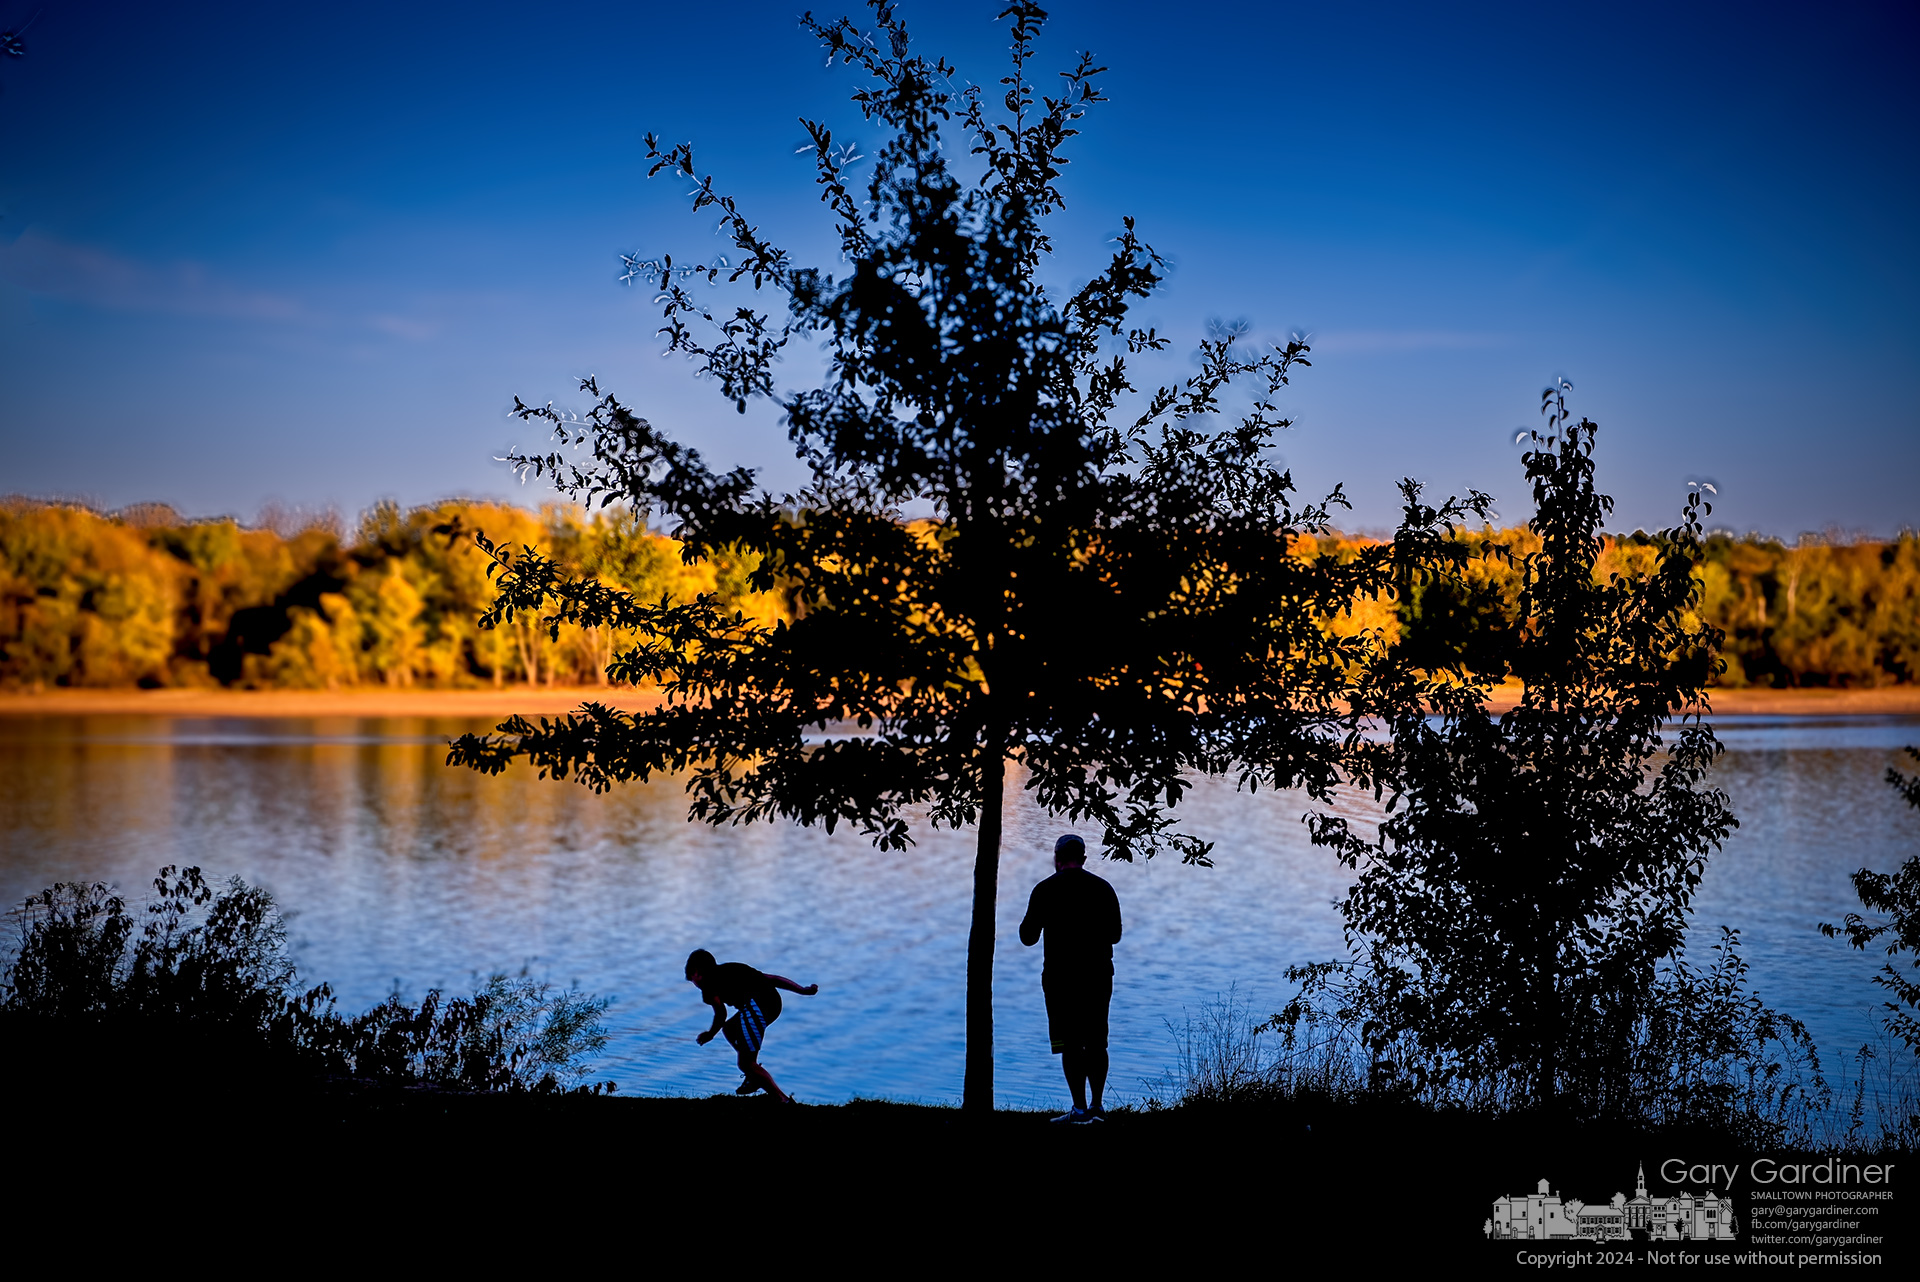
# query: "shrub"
513 1034
1532 871
208 974
1702 1050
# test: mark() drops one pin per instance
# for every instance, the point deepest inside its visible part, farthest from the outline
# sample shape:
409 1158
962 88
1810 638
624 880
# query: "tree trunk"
977 1094
1547 1070
1546 1008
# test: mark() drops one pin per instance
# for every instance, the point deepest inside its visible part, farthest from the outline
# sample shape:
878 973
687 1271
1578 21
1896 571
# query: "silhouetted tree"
1896 894
1531 870
1110 600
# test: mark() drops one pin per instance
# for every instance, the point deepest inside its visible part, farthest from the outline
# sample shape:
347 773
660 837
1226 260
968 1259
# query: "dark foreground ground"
340 1176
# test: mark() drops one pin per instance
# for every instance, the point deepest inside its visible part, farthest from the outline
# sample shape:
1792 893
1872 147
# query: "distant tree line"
1826 611
144 598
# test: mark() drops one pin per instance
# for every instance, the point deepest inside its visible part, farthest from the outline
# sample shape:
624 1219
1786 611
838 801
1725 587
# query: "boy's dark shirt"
1080 917
737 983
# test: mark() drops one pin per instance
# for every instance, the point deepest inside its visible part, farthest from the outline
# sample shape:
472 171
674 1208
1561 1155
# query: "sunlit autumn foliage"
144 597
1816 612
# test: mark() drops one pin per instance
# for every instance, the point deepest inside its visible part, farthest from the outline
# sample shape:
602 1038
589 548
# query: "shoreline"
1882 701
553 701
505 702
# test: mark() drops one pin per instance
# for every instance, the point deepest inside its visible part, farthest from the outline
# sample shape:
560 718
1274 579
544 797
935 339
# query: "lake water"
396 869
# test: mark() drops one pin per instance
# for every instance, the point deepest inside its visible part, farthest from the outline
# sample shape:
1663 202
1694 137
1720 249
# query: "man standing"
1080 916
755 998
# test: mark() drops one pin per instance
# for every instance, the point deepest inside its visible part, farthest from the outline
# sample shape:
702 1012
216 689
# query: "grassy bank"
659 1179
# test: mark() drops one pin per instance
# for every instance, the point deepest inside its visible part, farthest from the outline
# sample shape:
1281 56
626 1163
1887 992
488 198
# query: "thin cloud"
94 277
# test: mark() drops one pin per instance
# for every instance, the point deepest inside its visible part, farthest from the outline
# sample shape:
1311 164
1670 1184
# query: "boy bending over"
755 998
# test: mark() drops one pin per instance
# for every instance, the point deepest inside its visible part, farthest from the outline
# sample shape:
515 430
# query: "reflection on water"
397 869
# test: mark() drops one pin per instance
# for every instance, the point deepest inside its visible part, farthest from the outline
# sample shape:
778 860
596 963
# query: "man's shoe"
1073 1118
1091 1115
747 1086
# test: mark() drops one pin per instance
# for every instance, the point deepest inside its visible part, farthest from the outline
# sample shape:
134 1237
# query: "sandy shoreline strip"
1889 701
320 703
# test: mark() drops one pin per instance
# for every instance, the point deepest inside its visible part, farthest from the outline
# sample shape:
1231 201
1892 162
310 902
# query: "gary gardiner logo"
1544 1215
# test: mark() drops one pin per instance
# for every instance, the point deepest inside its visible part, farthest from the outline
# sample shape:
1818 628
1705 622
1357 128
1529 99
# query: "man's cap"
1071 842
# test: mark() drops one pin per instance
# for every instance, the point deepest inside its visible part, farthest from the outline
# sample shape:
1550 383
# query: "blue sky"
261 253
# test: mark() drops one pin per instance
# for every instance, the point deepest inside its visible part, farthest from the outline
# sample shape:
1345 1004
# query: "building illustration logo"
1683 1216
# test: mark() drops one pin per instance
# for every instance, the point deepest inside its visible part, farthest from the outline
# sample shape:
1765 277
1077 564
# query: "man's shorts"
1077 1008
747 1029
